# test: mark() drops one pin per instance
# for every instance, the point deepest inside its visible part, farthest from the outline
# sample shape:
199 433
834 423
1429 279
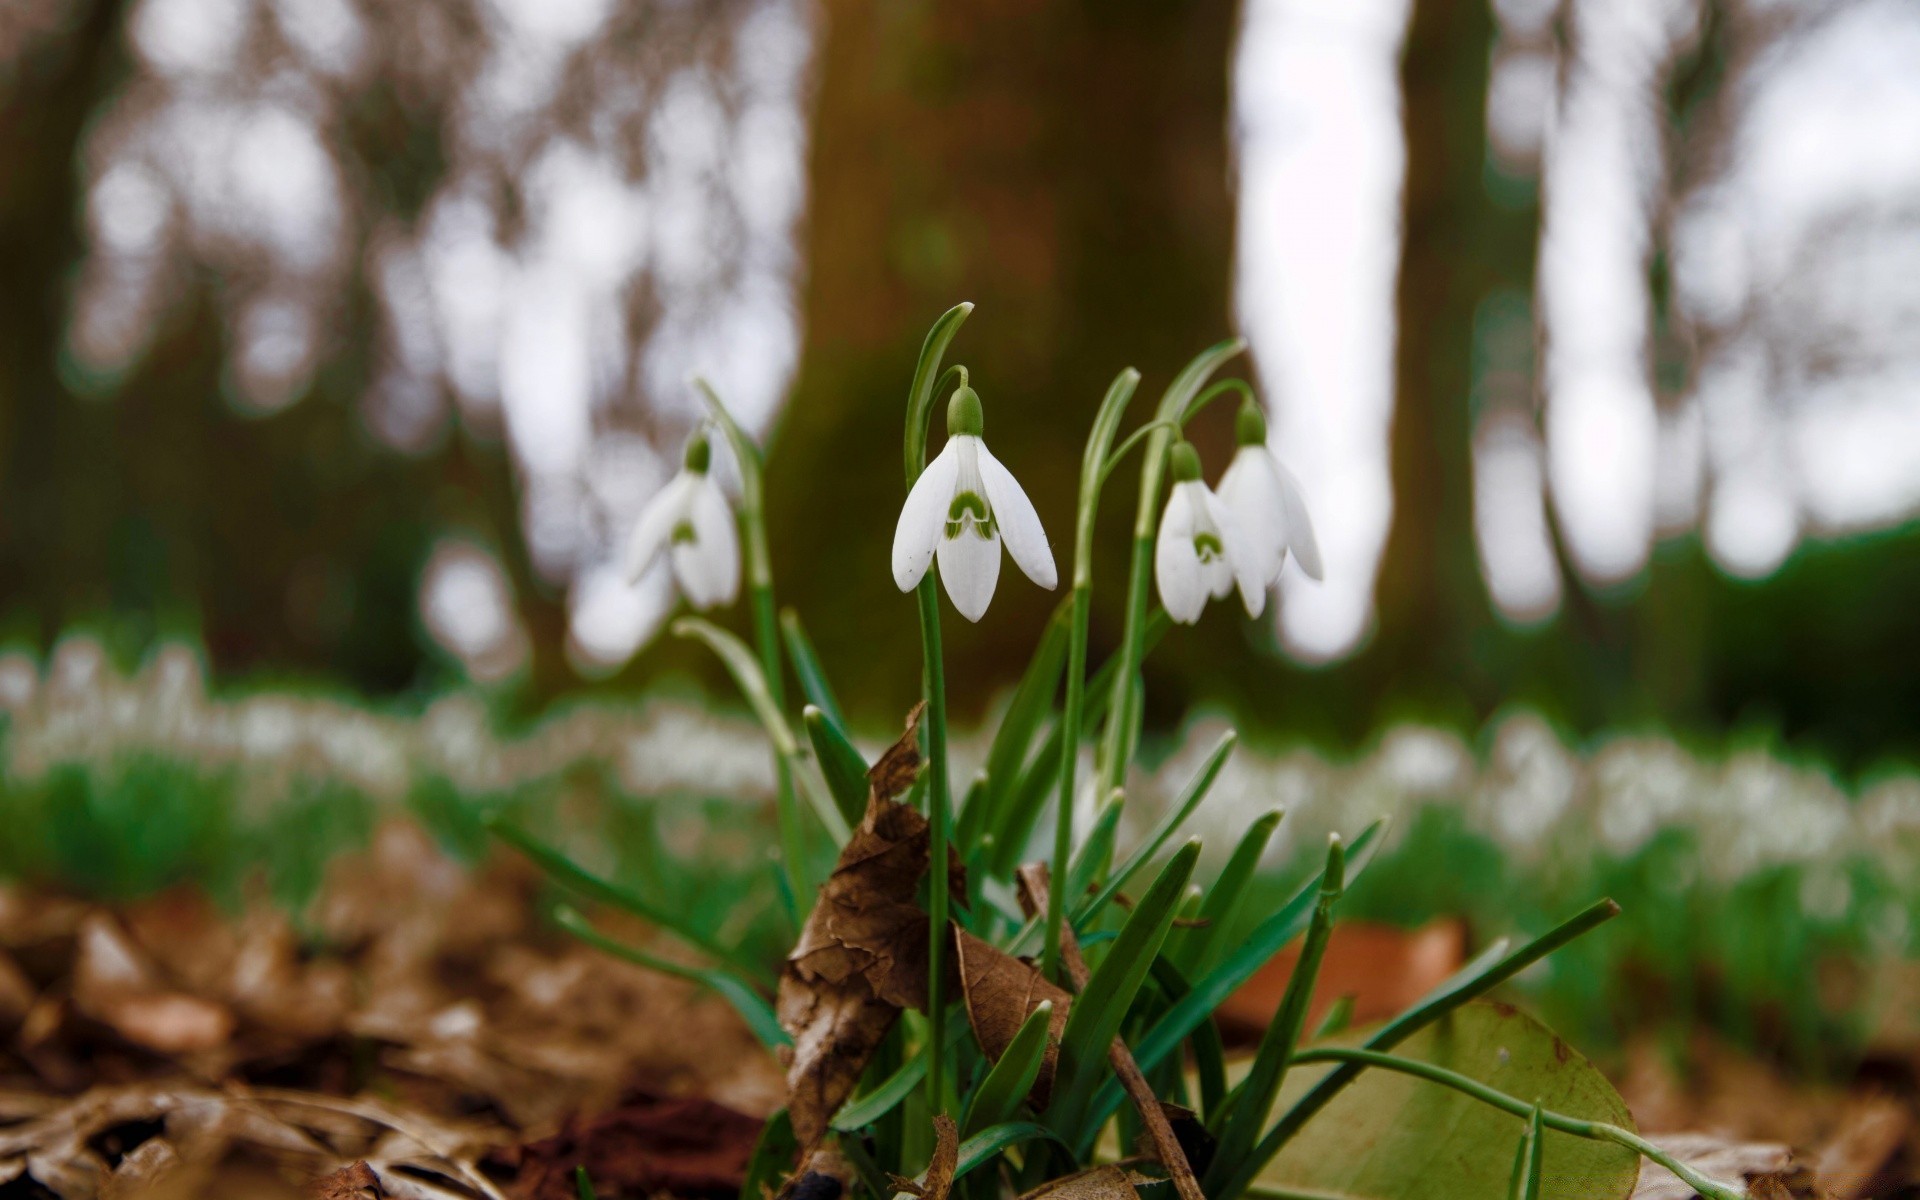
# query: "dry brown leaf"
1001 992
1108 1182
117 984
1769 1169
646 1146
862 956
945 1161
355 1181
1384 969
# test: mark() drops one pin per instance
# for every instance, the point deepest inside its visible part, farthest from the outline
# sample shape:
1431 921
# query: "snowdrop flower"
690 519
1200 552
1265 500
962 506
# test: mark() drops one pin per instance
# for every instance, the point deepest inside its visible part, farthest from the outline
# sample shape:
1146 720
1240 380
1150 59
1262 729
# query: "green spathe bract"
1161 961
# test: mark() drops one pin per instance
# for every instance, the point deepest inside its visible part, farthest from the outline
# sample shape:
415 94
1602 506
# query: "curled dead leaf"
1001 992
862 956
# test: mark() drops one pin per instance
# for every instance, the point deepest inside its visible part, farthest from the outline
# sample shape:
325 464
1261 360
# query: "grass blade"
1164 1036
1196 953
1270 1062
999 1095
1526 1164
749 1003
1478 977
1209 1052
1095 1018
565 872
1176 815
841 765
1097 851
806 665
773 1156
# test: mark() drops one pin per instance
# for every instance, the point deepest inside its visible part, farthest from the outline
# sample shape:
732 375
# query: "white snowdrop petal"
716 541
1242 560
923 518
1250 490
655 525
1019 525
970 567
1176 568
1300 539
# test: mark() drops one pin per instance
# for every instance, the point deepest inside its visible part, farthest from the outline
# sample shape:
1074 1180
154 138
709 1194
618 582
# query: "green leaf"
772 1158
749 1003
1032 704
1270 1062
840 764
1196 951
1339 1016
1176 815
583 1186
999 1095
1097 850
860 1113
1394 1135
1489 970
1209 1052
983 1146
1095 1018
920 394
565 872
806 665
745 669
1248 955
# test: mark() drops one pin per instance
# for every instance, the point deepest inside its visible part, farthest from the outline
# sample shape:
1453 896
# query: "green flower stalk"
766 632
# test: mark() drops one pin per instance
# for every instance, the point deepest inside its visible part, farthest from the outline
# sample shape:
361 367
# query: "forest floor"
423 1032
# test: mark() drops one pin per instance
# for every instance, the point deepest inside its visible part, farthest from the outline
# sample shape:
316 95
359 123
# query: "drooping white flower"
691 520
963 506
1266 500
1200 553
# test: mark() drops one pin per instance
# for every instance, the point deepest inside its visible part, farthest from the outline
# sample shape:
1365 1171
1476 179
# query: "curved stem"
1146 520
1092 461
920 399
1133 439
766 635
1599 1131
1214 392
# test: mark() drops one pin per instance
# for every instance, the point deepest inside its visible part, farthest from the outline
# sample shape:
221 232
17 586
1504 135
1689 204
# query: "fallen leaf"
1109 1182
862 956
1001 992
647 1145
1769 1169
1386 970
355 1181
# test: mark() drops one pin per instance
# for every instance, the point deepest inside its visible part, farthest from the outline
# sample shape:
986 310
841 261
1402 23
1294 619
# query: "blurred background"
341 342
345 338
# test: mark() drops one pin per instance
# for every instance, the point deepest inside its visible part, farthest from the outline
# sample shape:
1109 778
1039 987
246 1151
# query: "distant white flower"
1265 499
1201 553
962 507
691 520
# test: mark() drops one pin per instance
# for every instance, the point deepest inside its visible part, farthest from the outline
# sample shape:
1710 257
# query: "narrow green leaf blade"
806 666
841 765
999 1095
1248 956
1032 704
1095 1018
747 675
749 1003
1282 1034
772 1157
983 1146
1196 954
1176 815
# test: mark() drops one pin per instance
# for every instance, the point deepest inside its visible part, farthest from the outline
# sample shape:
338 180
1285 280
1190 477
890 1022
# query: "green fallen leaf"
1393 1137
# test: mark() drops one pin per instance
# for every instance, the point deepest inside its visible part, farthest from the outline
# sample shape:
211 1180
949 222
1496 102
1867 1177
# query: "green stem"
1093 462
1146 521
920 399
1599 1131
766 636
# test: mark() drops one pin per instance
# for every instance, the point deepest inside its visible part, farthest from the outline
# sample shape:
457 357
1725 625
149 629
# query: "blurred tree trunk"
1065 167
